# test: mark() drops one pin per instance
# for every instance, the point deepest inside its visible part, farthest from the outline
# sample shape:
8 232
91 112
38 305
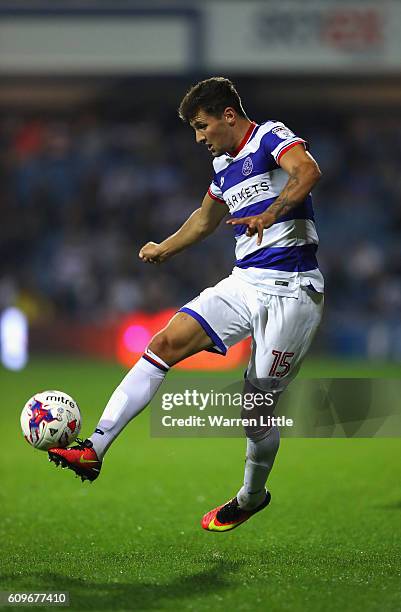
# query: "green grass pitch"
330 539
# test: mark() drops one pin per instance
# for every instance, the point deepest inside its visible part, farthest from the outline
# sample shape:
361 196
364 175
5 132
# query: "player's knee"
160 345
166 345
257 411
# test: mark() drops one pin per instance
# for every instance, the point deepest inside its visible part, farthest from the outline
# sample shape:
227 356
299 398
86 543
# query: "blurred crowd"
79 199
81 195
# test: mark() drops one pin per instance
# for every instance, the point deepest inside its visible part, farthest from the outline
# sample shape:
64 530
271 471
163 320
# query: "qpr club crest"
247 166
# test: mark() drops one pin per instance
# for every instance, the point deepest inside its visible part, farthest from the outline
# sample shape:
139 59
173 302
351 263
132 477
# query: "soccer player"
263 175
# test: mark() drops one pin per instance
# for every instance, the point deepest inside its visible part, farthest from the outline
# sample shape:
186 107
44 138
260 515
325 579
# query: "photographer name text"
220 421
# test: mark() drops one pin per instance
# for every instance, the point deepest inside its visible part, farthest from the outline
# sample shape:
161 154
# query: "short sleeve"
279 140
215 192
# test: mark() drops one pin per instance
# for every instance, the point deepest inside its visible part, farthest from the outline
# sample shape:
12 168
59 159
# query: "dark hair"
212 96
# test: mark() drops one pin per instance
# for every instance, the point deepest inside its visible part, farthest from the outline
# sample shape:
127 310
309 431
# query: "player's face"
214 132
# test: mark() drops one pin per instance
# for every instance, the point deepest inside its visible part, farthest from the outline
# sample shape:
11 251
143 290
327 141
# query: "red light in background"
138 329
135 333
136 338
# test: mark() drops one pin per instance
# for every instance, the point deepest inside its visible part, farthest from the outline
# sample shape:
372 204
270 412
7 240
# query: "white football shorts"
281 327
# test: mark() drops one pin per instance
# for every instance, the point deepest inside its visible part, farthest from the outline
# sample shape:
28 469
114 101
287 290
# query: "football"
50 419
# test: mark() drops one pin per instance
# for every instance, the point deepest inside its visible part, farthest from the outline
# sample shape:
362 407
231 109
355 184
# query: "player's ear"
229 115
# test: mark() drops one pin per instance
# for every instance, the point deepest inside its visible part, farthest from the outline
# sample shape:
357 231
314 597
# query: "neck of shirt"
245 139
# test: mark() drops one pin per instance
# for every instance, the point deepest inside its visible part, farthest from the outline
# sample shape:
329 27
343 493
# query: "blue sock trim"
154 362
205 325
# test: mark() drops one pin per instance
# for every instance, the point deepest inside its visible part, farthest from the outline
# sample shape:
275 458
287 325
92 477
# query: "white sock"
260 457
131 396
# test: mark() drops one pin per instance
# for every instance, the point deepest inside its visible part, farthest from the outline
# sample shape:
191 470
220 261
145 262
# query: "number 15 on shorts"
281 363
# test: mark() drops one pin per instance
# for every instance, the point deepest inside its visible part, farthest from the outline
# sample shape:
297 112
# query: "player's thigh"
182 337
282 335
216 319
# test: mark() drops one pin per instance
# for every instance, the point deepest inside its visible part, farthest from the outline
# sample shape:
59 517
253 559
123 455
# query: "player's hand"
255 224
152 252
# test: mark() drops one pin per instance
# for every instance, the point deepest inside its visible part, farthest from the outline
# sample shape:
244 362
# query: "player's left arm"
303 172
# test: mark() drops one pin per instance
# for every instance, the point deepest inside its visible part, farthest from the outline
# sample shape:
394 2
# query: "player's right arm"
200 224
